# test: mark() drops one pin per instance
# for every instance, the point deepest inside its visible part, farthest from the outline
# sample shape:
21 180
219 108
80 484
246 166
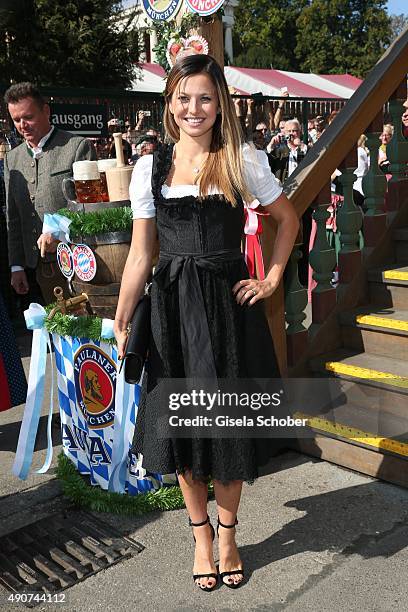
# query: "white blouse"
259 178
362 169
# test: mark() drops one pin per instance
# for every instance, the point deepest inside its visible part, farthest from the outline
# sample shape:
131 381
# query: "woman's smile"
194 121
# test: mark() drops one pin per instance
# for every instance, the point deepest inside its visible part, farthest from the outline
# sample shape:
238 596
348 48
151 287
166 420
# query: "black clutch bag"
138 341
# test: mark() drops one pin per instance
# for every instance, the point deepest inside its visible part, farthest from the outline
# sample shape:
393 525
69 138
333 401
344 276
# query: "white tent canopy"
268 82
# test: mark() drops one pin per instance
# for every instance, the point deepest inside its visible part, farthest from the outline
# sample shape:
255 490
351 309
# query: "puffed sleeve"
140 189
260 179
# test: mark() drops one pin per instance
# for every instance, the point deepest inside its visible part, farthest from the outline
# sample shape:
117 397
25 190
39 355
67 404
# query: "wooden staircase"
358 334
374 358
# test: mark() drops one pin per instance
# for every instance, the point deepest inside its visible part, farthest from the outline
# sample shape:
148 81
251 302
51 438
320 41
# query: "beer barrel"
111 251
94 206
103 299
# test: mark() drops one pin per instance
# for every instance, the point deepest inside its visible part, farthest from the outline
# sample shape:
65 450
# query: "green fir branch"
76 327
98 222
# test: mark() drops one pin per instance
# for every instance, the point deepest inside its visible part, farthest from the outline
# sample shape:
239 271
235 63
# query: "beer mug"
86 180
103 165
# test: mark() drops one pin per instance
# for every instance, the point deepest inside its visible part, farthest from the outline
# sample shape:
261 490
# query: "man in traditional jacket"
33 174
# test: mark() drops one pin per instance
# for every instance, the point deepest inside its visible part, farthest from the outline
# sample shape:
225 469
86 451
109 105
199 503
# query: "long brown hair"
223 168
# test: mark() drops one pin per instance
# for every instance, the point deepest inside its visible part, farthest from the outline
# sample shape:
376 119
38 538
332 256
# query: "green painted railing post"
349 222
397 151
322 259
295 304
374 187
374 182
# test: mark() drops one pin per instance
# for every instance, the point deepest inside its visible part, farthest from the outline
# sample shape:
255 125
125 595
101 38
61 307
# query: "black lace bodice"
189 224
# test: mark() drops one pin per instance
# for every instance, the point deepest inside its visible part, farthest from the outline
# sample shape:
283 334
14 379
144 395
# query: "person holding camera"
285 154
286 151
145 145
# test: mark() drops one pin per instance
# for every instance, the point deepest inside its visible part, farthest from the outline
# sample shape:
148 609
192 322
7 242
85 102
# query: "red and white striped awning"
267 82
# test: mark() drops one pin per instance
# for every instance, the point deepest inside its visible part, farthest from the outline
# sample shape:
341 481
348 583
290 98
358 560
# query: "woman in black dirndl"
207 314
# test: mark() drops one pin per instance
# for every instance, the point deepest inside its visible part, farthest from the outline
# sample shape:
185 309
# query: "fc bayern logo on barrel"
161 10
84 262
95 382
204 7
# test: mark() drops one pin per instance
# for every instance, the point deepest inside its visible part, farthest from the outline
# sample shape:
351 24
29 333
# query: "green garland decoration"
169 29
76 327
99 222
83 495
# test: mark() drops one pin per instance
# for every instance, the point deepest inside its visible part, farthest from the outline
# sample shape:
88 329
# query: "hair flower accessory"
178 48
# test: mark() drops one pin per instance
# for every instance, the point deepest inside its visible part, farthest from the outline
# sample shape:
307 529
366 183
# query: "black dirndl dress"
200 261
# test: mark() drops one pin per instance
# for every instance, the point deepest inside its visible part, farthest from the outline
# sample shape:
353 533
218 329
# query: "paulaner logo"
95 382
161 10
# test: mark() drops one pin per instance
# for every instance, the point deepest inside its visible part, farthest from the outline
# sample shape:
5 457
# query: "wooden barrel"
111 251
95 206
103 299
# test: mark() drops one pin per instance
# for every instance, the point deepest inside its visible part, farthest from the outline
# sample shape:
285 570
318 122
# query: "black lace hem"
208 479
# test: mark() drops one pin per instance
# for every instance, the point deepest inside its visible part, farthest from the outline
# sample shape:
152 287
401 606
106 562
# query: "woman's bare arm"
251 290
136 272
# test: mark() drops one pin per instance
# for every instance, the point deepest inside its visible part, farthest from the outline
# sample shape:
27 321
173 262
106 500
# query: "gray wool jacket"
33 187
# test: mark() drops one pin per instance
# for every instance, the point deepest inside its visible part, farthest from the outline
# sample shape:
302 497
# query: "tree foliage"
266 32
398 24
66 43
323 36
343 35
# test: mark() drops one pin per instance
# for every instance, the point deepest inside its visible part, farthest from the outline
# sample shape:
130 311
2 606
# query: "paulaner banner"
87 389
98 409
82 119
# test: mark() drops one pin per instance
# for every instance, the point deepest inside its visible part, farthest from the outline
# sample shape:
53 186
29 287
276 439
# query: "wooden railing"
309 185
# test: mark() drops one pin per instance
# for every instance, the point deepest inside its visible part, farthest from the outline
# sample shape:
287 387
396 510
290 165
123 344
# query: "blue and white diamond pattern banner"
97 440
98 410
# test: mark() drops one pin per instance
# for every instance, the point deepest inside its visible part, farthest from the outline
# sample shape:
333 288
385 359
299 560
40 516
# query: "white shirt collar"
37 151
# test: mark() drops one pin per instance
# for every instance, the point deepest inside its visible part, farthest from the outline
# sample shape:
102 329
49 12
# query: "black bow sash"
198 355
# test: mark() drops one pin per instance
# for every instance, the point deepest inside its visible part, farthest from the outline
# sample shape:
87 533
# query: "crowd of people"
265 124
281 137
139 138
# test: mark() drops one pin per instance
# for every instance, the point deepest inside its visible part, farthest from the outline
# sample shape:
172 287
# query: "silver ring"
253 291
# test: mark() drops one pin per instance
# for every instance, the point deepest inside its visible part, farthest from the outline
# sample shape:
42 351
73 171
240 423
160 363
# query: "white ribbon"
35 317
107 329
57 225
120 445
123 405
251 223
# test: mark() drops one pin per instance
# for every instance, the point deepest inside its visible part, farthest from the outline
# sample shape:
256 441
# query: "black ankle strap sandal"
231 585
207 521
211 575
219 524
